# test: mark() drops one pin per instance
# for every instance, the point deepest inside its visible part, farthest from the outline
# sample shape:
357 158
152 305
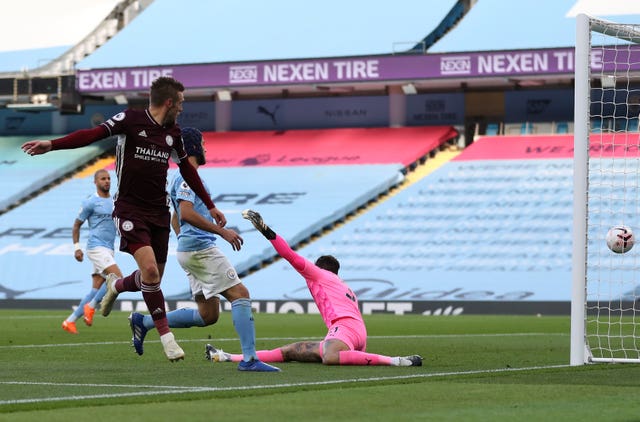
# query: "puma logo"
271 114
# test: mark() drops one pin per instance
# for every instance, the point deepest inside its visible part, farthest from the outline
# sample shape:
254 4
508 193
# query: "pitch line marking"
234 339
184 389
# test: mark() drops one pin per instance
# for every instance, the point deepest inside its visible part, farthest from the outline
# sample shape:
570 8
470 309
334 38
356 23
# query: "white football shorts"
209 271
101 258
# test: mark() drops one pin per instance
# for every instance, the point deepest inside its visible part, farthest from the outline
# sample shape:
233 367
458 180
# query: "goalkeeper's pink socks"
274 355
354 357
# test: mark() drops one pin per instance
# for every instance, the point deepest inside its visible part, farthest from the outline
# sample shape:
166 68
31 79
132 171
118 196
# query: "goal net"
605 306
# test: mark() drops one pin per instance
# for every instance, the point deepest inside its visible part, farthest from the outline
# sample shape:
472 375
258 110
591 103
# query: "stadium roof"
199 31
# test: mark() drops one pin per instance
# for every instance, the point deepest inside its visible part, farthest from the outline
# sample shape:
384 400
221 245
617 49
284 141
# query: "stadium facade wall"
426 308
449 108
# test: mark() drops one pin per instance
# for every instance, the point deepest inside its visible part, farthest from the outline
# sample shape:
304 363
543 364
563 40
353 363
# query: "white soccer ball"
620 239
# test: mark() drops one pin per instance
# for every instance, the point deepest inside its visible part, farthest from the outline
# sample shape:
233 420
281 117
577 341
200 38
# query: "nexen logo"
459 65
241 74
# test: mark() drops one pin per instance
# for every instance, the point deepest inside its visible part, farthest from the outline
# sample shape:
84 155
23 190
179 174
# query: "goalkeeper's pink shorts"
350 331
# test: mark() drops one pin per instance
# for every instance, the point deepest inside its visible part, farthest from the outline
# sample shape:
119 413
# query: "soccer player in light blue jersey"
209 271
96 209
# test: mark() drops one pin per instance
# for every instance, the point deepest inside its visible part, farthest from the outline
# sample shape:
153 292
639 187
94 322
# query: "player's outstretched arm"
36 147
77 139
280 245
258 223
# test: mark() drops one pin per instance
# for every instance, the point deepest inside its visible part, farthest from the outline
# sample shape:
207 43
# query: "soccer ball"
620 239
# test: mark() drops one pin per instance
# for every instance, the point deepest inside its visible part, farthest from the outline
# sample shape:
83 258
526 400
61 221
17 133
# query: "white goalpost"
605 303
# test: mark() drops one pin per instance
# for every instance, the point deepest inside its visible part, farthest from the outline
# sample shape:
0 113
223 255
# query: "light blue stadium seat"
493 129
562 127
632 125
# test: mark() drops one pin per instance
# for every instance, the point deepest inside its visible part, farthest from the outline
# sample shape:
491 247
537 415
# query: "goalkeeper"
346 339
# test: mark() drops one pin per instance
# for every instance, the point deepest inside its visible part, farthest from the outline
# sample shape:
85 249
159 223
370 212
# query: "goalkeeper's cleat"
258 223
414 360
216 355
110 296
88 314
171 348
255 365
138 331
69 327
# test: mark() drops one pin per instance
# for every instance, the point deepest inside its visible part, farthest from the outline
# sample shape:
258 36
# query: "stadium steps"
413 173
89 168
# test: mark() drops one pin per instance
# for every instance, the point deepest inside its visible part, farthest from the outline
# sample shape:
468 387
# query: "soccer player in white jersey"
209 271
96 209
346 339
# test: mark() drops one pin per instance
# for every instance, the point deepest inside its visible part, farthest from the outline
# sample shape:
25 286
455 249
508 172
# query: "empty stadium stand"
312 180
494 224
23 175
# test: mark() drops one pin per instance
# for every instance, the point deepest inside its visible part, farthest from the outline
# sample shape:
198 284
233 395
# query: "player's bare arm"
191 216
218 216
190 175
75 237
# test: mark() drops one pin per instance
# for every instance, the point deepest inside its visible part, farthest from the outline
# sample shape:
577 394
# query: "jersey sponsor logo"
119 117
169 140
142 133
184 185
151 154
127 225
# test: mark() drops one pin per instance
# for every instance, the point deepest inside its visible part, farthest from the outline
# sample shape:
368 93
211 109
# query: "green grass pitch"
476 368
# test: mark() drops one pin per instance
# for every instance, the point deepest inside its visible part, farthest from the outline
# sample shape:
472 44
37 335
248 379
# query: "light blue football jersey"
97 212
191 238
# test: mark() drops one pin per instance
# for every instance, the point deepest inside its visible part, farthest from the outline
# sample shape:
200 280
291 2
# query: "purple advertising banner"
356 69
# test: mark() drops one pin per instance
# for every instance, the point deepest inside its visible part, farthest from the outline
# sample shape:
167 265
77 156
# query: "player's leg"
88 308
103 263
135 234
356 357
346 342
303 351
151 261
69 324
242 316
145 258
180 318
102 286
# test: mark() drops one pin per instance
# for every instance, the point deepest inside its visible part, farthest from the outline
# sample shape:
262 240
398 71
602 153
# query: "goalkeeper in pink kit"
346 339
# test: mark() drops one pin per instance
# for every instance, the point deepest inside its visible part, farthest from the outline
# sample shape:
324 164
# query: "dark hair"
164 88
192 139
98 173
329 263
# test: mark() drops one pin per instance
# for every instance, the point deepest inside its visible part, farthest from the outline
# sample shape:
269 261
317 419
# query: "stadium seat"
493 129
562 127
